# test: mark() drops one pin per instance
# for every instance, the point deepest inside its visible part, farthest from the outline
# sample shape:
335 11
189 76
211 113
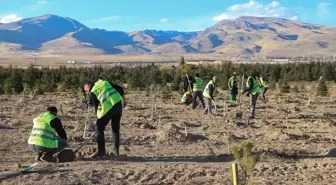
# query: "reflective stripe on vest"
232 82
255 88
206 91
198 86
43 134
263 82
107 96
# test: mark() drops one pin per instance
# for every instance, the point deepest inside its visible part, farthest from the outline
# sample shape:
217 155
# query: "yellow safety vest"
255 88
198 86
263 82
43 134
184 97
107 96
206 91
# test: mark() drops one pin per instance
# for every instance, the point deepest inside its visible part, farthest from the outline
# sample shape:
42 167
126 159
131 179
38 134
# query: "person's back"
198 84
43 139
108 101
186 98
252 87
198 88
264 84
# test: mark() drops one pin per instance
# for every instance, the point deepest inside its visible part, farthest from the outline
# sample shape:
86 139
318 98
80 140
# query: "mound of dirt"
331 153
278 136
171 133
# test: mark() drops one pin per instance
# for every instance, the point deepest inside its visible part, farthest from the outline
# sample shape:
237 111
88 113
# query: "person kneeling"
43 139
187 98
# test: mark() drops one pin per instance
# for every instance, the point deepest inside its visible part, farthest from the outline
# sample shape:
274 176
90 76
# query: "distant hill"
51 34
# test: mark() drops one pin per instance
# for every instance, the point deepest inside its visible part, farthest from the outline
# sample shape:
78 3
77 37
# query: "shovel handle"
84 143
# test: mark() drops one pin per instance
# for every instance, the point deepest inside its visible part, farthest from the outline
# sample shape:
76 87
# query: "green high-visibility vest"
107 96
198 86
43 134
232 82
255 88
264 83
184 97
206 91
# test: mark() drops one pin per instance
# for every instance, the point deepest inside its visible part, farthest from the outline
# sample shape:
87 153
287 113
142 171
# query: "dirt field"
295 131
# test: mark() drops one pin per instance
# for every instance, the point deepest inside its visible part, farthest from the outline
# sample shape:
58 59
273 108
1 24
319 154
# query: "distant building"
78 62
281 60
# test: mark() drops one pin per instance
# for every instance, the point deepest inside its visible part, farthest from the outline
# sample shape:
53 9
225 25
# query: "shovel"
240 114
68 155
214 103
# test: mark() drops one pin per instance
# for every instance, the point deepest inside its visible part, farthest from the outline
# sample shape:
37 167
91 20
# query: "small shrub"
247 160
322 89
284 86
38 89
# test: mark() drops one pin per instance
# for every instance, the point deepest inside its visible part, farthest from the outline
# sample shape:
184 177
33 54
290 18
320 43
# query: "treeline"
17 80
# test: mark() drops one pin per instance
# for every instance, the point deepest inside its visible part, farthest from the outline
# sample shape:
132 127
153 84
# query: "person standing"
264 84
233 87
197 88
208 94
252 89
108 101
187 83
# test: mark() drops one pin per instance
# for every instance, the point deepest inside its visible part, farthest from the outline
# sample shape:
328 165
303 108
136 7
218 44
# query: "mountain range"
51 34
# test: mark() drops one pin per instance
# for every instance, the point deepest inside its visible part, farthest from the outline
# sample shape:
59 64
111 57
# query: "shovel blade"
66 155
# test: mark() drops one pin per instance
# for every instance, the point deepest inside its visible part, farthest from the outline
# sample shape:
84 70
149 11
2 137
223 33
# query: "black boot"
38 156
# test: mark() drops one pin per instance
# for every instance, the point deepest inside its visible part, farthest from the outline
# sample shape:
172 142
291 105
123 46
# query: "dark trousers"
115 116
188 102
40 149
198 94
233 93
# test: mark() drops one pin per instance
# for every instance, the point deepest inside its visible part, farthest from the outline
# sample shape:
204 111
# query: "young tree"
247 159
322 89
284 86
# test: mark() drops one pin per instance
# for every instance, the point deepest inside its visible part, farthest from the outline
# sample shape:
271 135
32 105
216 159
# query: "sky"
180 15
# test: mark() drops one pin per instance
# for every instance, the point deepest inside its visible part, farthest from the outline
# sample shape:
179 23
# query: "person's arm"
211 91
121 92
248 89
57 125
94 101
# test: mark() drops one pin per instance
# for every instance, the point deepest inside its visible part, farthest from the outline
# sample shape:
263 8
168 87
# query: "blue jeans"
40 149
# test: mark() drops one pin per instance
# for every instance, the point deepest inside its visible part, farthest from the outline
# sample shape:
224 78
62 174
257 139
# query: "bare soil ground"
167 143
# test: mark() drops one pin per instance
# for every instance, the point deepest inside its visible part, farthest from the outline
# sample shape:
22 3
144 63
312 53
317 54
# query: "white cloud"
294 18
324 10
42 2
105 19
223 16
10 18
163 20
254 8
